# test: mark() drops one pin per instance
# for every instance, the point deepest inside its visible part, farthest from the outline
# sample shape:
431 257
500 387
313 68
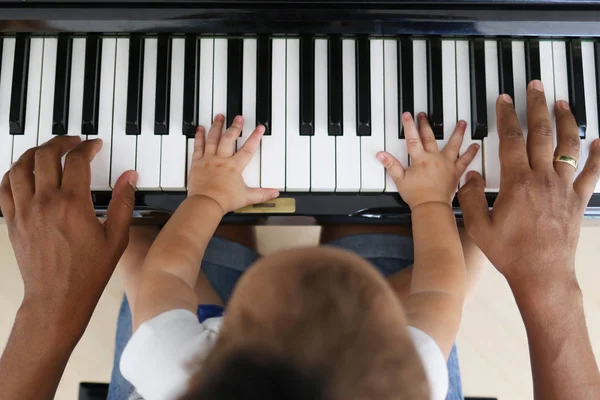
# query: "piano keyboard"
329 103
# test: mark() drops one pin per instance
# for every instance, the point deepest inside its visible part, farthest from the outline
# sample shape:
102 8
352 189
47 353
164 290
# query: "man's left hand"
65 254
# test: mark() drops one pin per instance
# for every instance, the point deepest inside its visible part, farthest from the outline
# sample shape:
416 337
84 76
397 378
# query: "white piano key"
491 160
393 144
561 81
322 146
252 172
547 75
149 144
101 163
420 76
76 91
372 172
123 145
47 94
21 143
591 104
463 106
205 92
520 83
297 146
348 146
448 90
273 146
6 74
173 146
220 78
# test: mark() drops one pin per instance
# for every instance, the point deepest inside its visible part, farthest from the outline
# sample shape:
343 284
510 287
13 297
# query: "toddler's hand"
216 171
433 176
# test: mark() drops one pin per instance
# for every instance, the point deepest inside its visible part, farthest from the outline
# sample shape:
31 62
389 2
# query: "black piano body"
288 18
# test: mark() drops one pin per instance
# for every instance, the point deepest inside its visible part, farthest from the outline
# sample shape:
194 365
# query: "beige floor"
492 343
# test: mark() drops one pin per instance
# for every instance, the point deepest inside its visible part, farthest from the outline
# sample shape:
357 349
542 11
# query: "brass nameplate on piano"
276 206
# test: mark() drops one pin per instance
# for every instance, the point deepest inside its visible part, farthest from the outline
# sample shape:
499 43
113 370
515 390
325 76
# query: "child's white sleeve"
157 358
433 361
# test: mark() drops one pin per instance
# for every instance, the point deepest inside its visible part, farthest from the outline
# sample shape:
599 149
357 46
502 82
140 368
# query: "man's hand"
66 256
533 230
531 236
216 171
433 175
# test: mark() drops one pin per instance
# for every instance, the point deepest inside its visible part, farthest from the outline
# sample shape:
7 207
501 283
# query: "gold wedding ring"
567 160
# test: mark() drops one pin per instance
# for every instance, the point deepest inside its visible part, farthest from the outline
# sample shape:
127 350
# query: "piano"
329 79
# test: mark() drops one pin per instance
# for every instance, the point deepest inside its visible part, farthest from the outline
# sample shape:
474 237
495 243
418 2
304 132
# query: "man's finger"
475 209
227 144
392 166
540 137
426 133
568 139
414 145
120 211
453 146
48 168
7 203
257 195
246 152
585 184
512 148
77 176
214 135
22 181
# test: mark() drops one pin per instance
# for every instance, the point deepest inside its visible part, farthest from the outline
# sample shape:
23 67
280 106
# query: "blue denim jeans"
224 263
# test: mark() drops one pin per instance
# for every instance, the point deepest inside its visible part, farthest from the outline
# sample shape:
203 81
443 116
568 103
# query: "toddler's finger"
413 140
426 134
227 143
245 153
463 161
453 147
199 140
214 135
392 165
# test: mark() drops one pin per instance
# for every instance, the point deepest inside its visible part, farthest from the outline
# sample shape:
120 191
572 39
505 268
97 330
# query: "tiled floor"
492 342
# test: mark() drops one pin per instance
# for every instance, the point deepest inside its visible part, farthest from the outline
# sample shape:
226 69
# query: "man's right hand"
532 232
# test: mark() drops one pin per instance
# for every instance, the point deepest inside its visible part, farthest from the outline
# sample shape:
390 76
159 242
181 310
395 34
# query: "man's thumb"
474 207
120 210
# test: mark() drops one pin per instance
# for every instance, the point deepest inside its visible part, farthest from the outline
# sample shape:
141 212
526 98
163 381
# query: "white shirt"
157 358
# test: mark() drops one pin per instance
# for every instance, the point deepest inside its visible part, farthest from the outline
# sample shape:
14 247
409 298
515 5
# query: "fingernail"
238 119
506 98
462 124
537 85
219 117
470 175
406 115
563 105
275 194
133 179
422 115
381 157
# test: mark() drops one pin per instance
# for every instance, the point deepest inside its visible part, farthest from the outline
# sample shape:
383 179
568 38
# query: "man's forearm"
35 357
562 361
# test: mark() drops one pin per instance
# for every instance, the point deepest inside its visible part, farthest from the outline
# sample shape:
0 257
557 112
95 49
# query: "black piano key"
334 86
163 86
478 92
1 52
532 60
263 83
597 63
363 86
576 88
190 85
62 86
134 85
405 80
235 61
307 85
505 68
18 99
91 85
435 98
